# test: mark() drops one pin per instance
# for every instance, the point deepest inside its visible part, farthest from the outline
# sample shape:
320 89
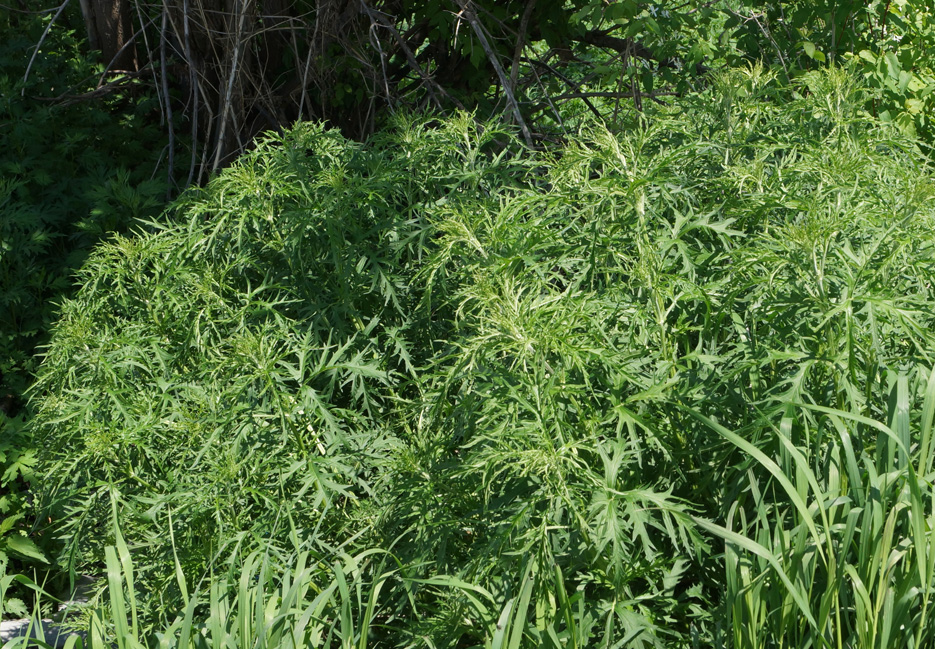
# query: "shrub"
510 377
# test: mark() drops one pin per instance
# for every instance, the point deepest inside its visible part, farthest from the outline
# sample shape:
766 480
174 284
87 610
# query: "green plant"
17 459
843 520
507 379
897 66
74 169
885 42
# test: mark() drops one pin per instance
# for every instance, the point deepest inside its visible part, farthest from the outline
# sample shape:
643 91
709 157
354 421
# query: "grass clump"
438 391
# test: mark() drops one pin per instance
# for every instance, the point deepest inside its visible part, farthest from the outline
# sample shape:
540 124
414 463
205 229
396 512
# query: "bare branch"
520 42
613 95
548 98
170 171
196 89
226 102
129 42
571 84
467 11
66 99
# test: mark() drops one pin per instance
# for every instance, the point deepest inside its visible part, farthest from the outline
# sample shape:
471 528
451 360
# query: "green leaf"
892 66
8 521
798 596
915 106
21 545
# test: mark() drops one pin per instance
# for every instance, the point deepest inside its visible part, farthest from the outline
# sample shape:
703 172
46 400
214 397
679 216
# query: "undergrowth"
671 388
76 164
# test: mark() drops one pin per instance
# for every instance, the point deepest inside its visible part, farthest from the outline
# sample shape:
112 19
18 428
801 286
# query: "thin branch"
375 41
548 98
26 11
886 11
636 94
149 54
375 16
410 56
468 11
196 90
129 42
521 42
308 63
614 95
571 84
755 18
67 99
89 27
39 44
225 106
170 171
622 45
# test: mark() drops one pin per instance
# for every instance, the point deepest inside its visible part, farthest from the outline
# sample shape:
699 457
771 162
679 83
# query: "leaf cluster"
887 43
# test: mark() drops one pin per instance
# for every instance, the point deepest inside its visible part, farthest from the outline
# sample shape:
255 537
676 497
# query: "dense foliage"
71 174
72 170
888 42
666 388
453 392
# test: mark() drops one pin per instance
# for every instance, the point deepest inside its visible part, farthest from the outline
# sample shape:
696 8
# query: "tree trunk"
110 30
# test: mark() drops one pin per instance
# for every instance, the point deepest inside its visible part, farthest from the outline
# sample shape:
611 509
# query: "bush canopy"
664 388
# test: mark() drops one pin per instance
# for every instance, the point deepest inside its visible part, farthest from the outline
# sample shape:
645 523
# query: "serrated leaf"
7 523
21 466
24 547
14 607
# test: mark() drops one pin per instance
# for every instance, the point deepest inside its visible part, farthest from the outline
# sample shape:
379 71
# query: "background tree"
889 42
109 25
228 70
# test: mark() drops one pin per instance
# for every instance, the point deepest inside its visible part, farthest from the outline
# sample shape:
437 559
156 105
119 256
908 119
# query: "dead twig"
226 101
